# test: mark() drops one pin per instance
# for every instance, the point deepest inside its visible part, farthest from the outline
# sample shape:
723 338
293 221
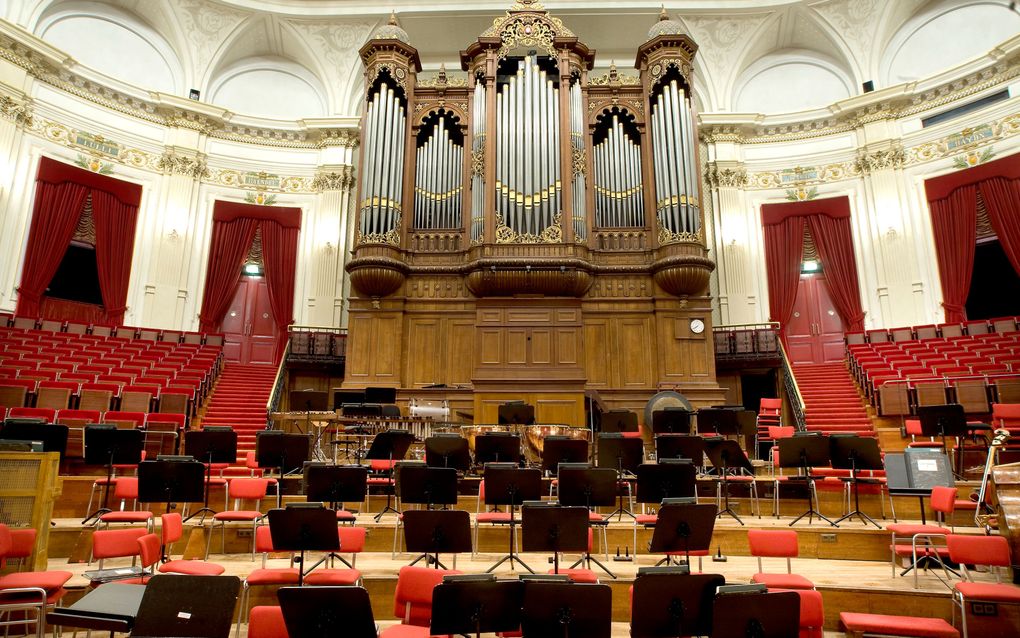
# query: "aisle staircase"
832 403
239 401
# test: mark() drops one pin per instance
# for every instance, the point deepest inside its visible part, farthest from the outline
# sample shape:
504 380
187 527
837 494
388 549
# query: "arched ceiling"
770 56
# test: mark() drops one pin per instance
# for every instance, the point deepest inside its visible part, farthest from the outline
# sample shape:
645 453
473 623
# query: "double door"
814 333
249 329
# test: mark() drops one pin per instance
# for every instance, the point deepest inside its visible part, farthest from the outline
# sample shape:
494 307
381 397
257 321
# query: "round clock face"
697 326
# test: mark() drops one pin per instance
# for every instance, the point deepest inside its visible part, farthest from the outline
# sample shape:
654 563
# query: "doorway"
994 285
814 333
249 328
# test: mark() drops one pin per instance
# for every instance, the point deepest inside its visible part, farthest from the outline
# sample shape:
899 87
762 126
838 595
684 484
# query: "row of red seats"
932 331
121 332
60 395
165 429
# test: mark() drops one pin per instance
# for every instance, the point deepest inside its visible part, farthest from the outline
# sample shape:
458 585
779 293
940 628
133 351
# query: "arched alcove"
786 82
269 87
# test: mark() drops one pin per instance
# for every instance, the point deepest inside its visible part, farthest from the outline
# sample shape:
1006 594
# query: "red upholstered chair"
352 541
117 543
922 537
27 591
992 551
171 531
55 394
412 601
242 490
580 575
263 576
125 420
776 544
493 517
266 622
125 488
46 415
14 392
812 614
22 545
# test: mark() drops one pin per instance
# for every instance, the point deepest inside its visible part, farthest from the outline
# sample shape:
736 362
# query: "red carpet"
239 401
832 402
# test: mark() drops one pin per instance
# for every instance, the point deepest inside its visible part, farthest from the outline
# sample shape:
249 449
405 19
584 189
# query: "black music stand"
187 606
671 478
382 396
320 612
176 479
516 413
945 421
476 604
581 484
565 610
719 421
53 436
391 446
726 455
756 615
619 421
304 528
671 421
805 452
624 454
335 484
447 450
497 447
342 398
435 532
855 453
506 484
212 444
429 486
108 445
670 602
562 449
683 528
550 527
680 446
286 453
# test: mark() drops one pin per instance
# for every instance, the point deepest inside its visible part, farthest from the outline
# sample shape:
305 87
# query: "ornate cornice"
890 158
341 179
18 111
176 164
726 176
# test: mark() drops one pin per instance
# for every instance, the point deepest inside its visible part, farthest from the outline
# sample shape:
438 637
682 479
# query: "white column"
327 280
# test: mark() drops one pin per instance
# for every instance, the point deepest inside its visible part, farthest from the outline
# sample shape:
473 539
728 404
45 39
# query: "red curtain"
230 243
784 247
67 310
279 256
115 242
953 221
834 241
54 218
1002 201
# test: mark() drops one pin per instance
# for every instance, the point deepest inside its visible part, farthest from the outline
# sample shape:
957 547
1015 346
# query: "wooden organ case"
531 231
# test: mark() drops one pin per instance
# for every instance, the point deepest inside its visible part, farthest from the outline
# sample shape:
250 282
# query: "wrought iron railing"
274 397
748 341
325 344
793 394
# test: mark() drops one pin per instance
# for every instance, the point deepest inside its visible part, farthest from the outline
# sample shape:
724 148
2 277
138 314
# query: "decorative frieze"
890 158
726 176
174 163
17 111
341 179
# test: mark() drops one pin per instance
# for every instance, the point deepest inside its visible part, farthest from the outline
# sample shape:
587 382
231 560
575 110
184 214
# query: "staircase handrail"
274 397
792 390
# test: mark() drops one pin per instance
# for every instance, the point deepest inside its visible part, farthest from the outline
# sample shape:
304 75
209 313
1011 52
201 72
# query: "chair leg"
241 607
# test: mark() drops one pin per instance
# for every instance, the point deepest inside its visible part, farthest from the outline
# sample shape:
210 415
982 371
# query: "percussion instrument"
429 409
469 432
534 438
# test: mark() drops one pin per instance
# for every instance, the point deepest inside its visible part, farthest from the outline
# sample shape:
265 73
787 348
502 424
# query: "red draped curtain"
834 241
279 257
1002 201
115 242
230 243
784 248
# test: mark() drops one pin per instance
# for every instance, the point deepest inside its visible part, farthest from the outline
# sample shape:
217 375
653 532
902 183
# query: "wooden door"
814 333
249 329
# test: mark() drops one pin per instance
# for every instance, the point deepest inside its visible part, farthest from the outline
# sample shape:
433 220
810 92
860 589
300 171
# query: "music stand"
720 421
581 484
187 606
680 446
945 421
53 436
563 610
301 529
669 479
173 480
726 455
447 450
619 421
625 454
213 444
497 447
435 532
671 421
476 604
756 615
516 414
855 453
383 396
343 398
683 528
319 612
335 484
390 446
550 527
805 452
108 445
670 602
428 486
286 453
562 449
506 484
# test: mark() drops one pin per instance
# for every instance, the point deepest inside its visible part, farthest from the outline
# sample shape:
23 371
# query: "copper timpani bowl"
534 438
469 432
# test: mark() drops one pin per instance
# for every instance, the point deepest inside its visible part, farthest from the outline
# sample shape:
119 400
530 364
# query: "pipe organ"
531 228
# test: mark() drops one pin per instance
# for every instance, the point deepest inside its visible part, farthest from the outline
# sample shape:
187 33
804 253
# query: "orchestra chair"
116 543
242 489
943 503
489 517
265 621
778 543
46 415
126 488
172 530
22 544
102 483
27 591
812 614
578 574
991 551
352 541
412 601
264 576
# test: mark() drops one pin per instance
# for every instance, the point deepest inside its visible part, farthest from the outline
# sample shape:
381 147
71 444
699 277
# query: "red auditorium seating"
46 415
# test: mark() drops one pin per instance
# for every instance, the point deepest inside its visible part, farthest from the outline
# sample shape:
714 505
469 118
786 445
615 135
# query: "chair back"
248 488
812 613
266 622
412 600
149 550
774 543
967 549
352 539
943 499
126 488
116 543
172 528
6 544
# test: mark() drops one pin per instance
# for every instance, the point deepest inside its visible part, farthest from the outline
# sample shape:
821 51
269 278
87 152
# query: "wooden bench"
857 625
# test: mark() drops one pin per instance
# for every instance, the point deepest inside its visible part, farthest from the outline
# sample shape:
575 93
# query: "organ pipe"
577 148
619 199
676 206
381 179
440 162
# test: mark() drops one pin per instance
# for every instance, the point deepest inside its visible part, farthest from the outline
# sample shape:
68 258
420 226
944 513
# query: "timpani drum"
469 432
534 438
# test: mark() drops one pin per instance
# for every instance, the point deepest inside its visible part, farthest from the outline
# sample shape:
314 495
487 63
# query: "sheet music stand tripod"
285 452
419 484
497 447
756 615
566 610
212 444
562 449
169 480
317 612
805 452
107 445
946 421
550 527
624 454
682 527
302 528
435 532
671 421
726 455
506 484
680 446
390 446
670 601
581 484
447 450
855 453
335 484
474 604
